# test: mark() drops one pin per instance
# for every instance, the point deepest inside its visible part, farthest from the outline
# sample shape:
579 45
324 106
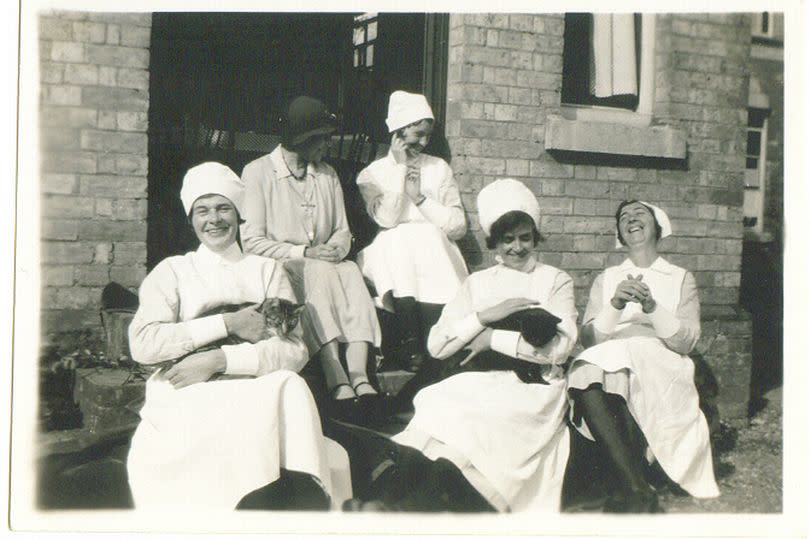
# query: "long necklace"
296 176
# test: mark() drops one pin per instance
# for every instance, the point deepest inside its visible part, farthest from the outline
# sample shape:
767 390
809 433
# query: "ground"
749 473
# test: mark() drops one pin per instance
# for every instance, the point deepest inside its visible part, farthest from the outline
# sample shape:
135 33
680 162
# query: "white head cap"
660 216
212 178
405 108
502 196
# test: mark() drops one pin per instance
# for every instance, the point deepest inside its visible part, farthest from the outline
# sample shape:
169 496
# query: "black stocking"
608 420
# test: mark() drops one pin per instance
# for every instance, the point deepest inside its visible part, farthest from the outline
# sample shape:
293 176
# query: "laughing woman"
220 425
634 382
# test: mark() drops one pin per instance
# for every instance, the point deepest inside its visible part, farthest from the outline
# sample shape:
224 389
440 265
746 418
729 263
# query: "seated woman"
294 213
228 426
413 262
634 382
486 438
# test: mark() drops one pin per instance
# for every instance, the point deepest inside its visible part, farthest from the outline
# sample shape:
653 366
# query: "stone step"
392 381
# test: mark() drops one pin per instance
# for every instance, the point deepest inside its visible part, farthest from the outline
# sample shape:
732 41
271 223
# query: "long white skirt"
658 386
413 260
205 446
508 438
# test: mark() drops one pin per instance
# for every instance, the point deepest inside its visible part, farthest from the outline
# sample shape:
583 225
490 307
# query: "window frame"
754 195
643 113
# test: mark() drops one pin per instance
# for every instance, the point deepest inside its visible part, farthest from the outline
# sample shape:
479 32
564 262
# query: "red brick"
583 261
50 72
67 117
113 142
115 98
133 78
128 275
63 184
57 276
64 162
92 275
68 51
105 229
59 229
113 34
129 210
59 138
66 206
135 36
61 94
128 253
55 29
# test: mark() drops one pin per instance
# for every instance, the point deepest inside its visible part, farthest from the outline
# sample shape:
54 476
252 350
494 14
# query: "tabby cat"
280 318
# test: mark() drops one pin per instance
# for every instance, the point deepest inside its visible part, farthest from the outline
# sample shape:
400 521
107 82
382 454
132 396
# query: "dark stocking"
291 491
607 417
408 320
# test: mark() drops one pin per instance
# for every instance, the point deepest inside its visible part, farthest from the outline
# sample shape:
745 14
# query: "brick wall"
94 97
504 82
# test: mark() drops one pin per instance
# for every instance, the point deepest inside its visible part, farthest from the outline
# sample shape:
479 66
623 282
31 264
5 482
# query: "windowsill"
614 138
604 115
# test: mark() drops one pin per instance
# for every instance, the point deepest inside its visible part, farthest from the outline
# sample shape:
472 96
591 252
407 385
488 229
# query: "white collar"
231 255
529 267
659 265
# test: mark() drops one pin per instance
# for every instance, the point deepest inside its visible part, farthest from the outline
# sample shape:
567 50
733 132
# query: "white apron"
507 437
413 259
661 395
205 446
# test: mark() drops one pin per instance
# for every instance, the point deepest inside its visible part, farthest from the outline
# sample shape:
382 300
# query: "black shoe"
412 354
634 501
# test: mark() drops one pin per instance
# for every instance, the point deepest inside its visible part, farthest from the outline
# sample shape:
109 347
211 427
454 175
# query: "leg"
356 361
337 383
412 345
605 416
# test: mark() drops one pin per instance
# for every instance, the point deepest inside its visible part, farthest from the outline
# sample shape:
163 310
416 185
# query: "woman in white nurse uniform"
219 426
505 438
634 378
413 262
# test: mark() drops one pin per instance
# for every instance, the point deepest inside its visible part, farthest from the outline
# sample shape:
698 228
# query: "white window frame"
642 116
754 195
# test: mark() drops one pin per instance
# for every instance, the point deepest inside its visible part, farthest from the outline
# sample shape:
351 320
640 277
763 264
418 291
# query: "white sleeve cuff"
206 330
241 359
467 328
297 251
605 322
434 211
505 342
665 323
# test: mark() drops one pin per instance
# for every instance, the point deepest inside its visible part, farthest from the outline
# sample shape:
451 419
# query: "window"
608 67
755 163
363 39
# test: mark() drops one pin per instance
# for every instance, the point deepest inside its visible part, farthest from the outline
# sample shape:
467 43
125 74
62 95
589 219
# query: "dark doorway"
220 81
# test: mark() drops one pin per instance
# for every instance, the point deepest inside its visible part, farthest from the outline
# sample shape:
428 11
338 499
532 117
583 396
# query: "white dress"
205 446
508 438
643 358
415 252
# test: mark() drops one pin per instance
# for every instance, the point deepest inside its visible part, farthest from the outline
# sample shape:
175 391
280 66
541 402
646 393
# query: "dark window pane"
749 221
752 147
756 117
751 163
766 23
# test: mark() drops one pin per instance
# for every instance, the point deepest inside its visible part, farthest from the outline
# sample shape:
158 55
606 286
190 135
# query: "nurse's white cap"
405 108
502 196
212 178
660 216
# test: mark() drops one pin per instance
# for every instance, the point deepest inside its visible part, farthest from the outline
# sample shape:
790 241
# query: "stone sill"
614 138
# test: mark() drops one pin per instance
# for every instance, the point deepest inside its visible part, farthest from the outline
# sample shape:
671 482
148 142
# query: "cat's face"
280 316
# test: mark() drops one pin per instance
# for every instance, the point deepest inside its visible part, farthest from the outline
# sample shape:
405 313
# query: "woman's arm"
680 331
254 231
457 325
556 351
384 206
447 213
599 320
155 334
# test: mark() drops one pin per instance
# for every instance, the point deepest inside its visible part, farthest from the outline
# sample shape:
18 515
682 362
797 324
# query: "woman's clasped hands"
634 290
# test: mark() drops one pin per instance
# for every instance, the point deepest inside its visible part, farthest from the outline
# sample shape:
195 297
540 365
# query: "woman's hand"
247 323
504 309
481 343
325 252
632 290
196 368
413 184
399 149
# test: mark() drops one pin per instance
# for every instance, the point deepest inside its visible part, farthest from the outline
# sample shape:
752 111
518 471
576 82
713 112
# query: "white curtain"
613 55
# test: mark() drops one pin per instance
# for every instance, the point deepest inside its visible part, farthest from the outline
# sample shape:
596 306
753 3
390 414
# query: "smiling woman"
207 441
632 389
